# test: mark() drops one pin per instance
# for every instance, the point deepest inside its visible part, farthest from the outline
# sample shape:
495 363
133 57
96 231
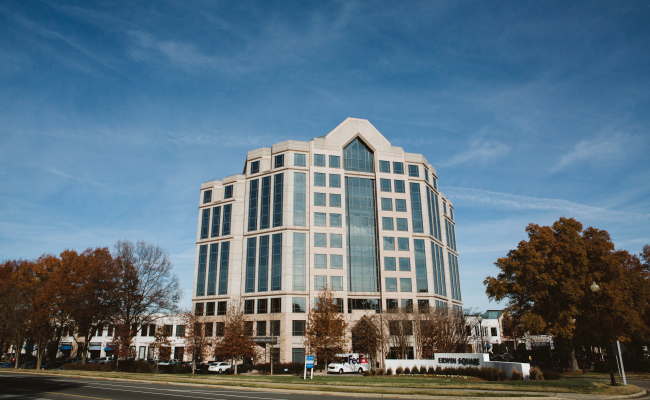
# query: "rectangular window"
391 304
223 268
363 304
389 263
220 329
420 266
299 261
403 244
423 305
439 282
384 166
261 328
391 284
298 328
248 328
400 205
205 223
451 213
320 261
180 330
209 309
278 187
212 269
435 183
265 208
227 213
416 208
320 199
405 285
278 161
255 167
169 329
335 180
407 306
251 250
249 306
400 187
402 224
320 240
387 224
384 185
299 160
276 305
493 331
336 282
426 175
263 265
335 200
145 328
320 219
216 217
200 276
299 199
404 264
320 282
319 160
336 240
319 179
276 262
414 171
335 162
207 196
275 331
252 204
389 243
336 261
386 204
336 220
298 305
444 207
434 216
222 307
455 277
398 168
262 306
227 192
298 354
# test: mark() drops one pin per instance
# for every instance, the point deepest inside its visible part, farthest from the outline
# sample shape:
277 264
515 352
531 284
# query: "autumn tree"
400 330
161 346
237 342
367 336
121 343
439 330
546 281
326 328
14 303
197 344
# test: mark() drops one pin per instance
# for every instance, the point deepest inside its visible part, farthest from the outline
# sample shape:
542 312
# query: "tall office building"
347 210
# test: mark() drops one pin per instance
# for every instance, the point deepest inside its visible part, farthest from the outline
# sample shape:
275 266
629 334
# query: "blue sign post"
309 363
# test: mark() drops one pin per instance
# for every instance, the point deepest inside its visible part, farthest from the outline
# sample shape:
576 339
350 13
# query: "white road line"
170 394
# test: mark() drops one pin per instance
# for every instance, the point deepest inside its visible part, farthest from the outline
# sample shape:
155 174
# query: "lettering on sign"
461 361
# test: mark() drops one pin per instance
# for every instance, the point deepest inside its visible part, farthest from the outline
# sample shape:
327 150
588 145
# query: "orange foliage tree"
326 328
237 342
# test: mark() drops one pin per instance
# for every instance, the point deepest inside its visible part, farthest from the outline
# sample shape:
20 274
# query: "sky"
112 113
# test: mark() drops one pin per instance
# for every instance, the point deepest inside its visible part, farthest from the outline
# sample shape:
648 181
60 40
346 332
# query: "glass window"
400 205
299 261
451 213
357 157
389 263
386 204
435 183
416 208
274 327
253 196
387 223
398 168
216 220
404 264
278 161
403 244
426 175
414 171
336 261
251 250
276 262
391 304
200 276
276 305
336 240
335 180
391 284
299 160
205 223
298 305
320 261
389 243
209 310
320 240
198 311
298 355
320 219
320 199
405 285
319 160
423 306
384 185
299 200
222 307
336 220
249 306
255 167
262 306
261 328
278 187
319 179
298 328
207 196
384 166
227 192
224 259
402 224
335 162
320 282
407 305
335 200
337 282
400 187
421 283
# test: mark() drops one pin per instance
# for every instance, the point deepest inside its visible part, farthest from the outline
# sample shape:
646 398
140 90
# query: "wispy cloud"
480 151
55 171
594 150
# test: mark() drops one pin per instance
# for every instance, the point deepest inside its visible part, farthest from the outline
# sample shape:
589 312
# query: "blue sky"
113 113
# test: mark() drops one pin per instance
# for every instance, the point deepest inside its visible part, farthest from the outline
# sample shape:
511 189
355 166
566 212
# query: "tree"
367 337
146 288
161 346
196 343
14 303
547 278
326 328
400 331
237 341
121 343
439 330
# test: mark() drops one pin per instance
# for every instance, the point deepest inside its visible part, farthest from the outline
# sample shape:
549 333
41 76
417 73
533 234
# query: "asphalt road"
34 387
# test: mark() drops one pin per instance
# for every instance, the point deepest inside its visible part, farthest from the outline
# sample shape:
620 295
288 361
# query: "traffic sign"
309 361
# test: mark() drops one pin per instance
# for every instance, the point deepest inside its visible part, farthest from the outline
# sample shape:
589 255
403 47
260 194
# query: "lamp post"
480 328
595 289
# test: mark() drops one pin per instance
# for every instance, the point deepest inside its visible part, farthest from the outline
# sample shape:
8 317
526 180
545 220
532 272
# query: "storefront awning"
65 347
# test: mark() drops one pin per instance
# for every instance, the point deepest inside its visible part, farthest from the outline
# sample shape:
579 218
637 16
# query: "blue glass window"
299 306
263 265
400 187
455 278
205 223
387 224
335 180
255 167
389 243
320 199
300 262
389 264
265 209
320 240
227 192
336 283
336 240
227 213
278 161
357 157
200 276
398 168
404 264
405 285
420 266
252 204
451 213
278 186
319 160
223 268
207 196
299 160
216 216
336 261
402 224
320 261
319 179
403 244
384 166
320 282
335 200
276 262
384 185
299 199
212 269
414 171
386 204
320 219
391 284
249 286
335 162
335 220
426 175
400 205
439 284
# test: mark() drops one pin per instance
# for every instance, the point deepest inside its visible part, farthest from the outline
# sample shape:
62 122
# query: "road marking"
178 395
58 393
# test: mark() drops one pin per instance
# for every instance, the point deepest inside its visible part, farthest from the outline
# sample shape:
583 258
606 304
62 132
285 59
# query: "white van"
350 362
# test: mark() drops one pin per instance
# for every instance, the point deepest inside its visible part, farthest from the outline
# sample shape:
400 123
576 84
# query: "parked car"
52 365
102 360
219 367
173 361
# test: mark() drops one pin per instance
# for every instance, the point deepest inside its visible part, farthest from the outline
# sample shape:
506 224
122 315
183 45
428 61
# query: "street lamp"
480 328
595 289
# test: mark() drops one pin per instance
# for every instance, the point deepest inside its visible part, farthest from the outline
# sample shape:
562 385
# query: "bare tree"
197 344
400 330
440 330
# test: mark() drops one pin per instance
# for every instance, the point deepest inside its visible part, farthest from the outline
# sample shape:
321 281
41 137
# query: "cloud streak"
593 150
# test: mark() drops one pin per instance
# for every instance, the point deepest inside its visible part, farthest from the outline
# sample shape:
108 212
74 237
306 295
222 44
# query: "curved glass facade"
357 157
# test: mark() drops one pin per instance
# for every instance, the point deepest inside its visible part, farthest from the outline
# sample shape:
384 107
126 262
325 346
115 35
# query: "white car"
219 367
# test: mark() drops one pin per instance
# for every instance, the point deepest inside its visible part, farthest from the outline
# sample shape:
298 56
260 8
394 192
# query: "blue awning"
109 349
65 347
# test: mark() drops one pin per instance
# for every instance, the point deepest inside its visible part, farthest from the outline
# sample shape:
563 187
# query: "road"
36 387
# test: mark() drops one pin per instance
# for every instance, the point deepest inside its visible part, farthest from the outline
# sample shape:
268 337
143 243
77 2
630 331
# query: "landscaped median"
415 385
